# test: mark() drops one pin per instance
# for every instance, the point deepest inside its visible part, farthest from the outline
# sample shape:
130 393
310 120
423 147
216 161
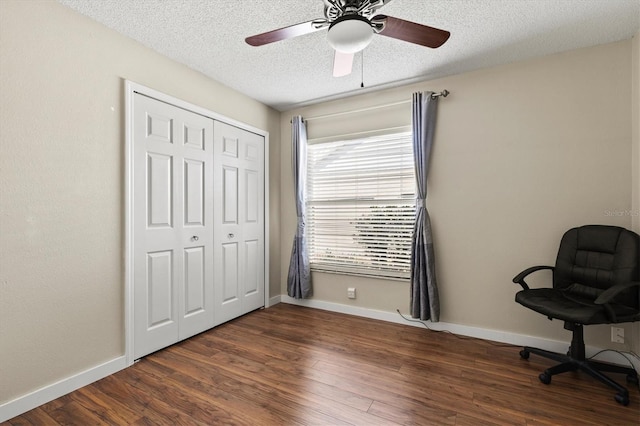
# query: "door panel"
252 152
230 195
160 189
252 197
196 238
229 144
251 277
159 127
239 221
160 288
252 223
194 281
172 241
195 192
194 136
230 273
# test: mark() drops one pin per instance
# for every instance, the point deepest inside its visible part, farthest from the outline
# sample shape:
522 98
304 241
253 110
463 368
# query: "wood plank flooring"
289 365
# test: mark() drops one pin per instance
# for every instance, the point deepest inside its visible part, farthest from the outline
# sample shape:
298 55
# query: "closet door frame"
130 89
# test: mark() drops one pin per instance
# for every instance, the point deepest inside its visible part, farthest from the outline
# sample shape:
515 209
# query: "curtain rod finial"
443 94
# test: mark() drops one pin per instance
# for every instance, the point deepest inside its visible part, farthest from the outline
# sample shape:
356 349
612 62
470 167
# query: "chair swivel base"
593 368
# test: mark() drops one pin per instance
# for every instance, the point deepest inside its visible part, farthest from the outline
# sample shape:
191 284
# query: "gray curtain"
425 303
299 278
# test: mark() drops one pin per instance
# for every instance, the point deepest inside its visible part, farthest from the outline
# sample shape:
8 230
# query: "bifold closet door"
239 246
173 224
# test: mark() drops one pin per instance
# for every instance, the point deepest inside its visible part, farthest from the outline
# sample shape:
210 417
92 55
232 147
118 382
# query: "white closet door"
238 221
173 224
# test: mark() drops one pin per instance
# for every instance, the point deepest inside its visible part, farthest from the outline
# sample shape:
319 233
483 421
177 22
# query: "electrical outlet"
351 293
617 334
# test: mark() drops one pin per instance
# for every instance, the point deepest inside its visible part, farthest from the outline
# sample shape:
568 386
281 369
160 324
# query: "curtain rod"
444 94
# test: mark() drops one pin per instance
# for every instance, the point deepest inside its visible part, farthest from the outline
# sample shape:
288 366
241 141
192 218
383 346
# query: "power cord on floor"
633 354
506 345
497 344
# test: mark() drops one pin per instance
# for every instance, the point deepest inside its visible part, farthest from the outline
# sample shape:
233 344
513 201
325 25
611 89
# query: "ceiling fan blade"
285 33
412 32
342 64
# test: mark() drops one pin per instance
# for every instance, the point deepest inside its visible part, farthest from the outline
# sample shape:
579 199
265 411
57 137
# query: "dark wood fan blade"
412 32
283 33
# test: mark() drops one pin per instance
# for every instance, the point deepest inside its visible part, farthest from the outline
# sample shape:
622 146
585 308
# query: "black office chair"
596 280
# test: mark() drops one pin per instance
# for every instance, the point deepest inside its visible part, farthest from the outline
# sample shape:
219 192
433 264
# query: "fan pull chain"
362 71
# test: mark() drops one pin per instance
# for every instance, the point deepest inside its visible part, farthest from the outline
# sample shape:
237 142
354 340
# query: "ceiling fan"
351 25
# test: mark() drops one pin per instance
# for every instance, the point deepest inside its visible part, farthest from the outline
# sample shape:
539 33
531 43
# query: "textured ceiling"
208 36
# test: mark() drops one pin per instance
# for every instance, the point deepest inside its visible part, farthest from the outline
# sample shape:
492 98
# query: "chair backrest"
593 258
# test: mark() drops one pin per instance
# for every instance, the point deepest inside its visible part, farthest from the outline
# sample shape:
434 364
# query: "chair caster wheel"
545 378
632 378
524 354
622 399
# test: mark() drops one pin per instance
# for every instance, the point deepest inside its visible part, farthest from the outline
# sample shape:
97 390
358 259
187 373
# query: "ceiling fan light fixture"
350 33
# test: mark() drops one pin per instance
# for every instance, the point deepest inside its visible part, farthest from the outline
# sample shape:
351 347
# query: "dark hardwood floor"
289 365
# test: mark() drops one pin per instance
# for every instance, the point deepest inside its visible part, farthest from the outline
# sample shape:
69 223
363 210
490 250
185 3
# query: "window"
361 205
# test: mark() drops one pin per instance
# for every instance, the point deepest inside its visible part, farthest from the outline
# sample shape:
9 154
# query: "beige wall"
62 185
522 153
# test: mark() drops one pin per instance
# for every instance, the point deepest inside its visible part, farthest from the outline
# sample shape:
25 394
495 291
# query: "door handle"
230 235
195 238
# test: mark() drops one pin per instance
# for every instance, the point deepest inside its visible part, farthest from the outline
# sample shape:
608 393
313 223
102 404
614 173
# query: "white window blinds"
361 205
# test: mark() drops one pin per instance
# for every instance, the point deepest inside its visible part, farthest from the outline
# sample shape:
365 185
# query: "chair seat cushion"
568 307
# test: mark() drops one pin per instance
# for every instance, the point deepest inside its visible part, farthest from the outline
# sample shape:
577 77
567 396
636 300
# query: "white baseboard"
50 392
274 300
463 330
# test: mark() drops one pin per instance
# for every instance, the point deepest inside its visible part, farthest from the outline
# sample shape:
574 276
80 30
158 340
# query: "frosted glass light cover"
350 34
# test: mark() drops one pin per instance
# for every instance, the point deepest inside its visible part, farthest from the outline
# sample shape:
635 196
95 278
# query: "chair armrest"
608 295
519 279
